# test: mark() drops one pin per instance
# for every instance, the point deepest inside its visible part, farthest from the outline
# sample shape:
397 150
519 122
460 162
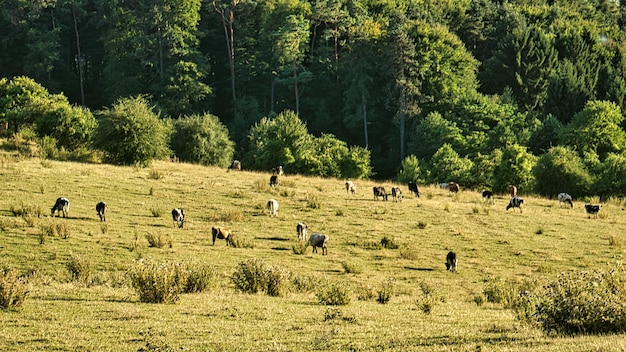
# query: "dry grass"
61 315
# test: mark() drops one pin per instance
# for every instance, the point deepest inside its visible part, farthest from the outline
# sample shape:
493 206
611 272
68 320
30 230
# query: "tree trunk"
79 60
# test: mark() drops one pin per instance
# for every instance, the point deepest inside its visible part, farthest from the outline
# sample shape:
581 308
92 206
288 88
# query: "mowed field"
63 315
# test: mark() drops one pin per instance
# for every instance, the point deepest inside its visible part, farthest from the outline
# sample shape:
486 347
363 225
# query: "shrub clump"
584 303
13 289
386 291
334 294
254 276
158 282
80 268
199 277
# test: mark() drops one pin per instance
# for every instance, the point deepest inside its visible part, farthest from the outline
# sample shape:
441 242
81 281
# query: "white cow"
272 206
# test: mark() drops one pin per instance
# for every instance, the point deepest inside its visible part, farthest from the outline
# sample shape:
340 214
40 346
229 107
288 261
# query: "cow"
350 187
272 206
380 192
174 158
444 185
566 199
454 187
592 209
62 205
512 190
413 188
278 171
101 209
178 215
273 181
487 195
396 193
301 230
451 261
515 202
318 240
222 234
235 165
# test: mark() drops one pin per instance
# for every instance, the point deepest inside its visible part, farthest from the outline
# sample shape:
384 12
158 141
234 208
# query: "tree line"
484 92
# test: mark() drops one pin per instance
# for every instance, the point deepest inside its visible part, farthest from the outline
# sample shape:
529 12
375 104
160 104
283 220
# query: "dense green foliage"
370 82
561 169
131 133
202 139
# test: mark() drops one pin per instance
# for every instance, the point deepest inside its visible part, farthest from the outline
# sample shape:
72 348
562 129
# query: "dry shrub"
155 175
386 291
157 282
80 268
200 276
299 247
25 210
54 229
159 240
334 294
262 185
304 283
13 289
351 268
365 292
254 276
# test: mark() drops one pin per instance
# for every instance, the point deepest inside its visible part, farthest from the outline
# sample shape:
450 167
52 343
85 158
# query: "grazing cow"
565 198
380 192
278 171
174 158
222 234
318 240
350 187
451 261
512 190
178 215
515 202
301 230
487 195
101 208
444 185
396 193
413 188
592 209
273 181
62 205
454 187
272 206
235 165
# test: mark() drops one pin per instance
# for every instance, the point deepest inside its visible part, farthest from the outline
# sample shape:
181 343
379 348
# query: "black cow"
451 261
178 215
380 192
62 205
487 195
413 188
515 202
101 208
274 181
592 209
318 240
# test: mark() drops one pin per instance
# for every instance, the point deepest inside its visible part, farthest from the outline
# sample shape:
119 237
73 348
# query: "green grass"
61 313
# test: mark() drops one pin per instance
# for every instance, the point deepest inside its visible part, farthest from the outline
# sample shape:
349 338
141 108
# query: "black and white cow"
272 206
380 192
235 165
319 240
301 230
278 171
274 181
350 187
592 209
62 205
413 188
451 261
487 196
396 193
566 199
515 202
101 208
178 215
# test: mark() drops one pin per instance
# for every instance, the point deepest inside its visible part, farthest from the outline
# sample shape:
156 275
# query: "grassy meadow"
104 314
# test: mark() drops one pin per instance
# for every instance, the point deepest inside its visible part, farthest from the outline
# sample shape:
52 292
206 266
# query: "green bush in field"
202 139
303 283
80 268
13 289
277 279
584 303
334 294
386 291
158 282
199 277
249 277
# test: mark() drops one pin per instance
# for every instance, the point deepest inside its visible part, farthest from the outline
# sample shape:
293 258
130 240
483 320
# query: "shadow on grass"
418 269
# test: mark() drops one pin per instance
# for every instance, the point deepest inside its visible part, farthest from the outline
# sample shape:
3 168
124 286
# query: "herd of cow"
62 205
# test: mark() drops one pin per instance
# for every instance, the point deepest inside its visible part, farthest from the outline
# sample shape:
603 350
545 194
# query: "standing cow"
515 202
272 206
592 209
101 209
350 187
273 181
413 188
454 187
222 234
512 190
396 193
235 166
62 205
451 261
301 230
318 240
178 215
566 199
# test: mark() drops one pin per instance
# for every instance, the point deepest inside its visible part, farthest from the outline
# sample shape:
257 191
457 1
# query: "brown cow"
512 190
222 234
454 187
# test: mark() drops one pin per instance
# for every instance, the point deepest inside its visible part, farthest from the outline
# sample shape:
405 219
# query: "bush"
131 133
388 243
299 247
334 294
515 168
409 170
199 277
561 168
386 291
428 298
158 240
254 276
157 282
277 279
202 139
13 289
303 283
54 229
584 303
351 268
80 268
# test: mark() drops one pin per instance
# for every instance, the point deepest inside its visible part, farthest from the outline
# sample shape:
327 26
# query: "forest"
482 92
